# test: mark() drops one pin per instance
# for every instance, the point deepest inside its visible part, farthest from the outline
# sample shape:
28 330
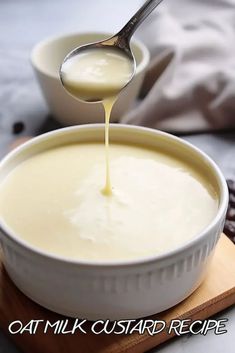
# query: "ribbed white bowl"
120 289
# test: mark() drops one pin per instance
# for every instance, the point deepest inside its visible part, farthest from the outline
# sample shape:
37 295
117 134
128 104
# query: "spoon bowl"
97 91
97 78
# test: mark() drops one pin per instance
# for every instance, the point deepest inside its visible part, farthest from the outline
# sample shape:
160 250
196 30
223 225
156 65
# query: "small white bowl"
46 59
115 289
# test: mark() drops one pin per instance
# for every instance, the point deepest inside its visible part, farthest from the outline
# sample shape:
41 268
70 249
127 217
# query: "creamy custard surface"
54 202
97 74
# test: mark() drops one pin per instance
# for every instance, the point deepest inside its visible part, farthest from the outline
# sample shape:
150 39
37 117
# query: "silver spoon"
119 42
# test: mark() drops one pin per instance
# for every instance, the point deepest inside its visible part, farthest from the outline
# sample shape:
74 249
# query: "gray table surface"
22 24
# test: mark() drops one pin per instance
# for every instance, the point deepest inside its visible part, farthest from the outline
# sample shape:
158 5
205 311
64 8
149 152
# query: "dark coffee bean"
231 185
229 230
230 214
18 127
231 200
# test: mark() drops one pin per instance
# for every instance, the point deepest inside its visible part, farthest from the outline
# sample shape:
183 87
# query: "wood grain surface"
215 294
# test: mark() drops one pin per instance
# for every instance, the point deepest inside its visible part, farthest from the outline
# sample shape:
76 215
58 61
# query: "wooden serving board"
215 294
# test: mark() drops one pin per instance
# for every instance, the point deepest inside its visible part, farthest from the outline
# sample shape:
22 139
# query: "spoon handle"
128 30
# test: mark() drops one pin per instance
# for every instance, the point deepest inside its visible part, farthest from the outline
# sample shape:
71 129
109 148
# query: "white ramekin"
46 58
118 289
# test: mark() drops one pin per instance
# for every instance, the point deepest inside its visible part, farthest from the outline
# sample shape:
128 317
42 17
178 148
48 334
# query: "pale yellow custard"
97 74
54 202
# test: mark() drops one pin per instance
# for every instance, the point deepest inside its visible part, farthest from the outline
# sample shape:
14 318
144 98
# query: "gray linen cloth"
190 84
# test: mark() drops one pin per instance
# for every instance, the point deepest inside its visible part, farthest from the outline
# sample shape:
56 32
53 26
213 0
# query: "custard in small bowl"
138 251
